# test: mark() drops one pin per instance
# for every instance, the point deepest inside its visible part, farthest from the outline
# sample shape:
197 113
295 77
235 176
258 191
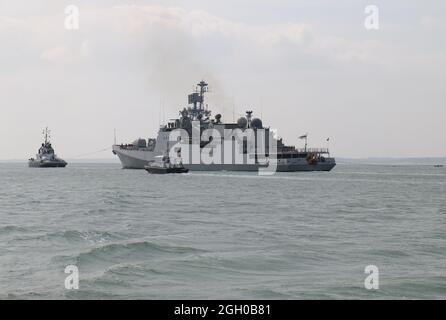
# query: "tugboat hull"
46 164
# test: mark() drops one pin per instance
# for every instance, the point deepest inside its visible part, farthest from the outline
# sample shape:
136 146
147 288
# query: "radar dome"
256 123
242 122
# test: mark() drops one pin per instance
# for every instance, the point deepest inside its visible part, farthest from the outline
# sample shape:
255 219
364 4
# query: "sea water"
224 235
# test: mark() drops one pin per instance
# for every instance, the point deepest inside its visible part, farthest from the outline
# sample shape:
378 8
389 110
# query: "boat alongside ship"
163 165
140 153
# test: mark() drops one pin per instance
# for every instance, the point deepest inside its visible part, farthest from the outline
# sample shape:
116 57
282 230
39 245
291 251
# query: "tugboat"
45 157
163 165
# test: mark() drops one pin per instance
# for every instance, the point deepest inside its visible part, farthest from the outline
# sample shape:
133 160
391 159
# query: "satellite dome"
256 123
242 122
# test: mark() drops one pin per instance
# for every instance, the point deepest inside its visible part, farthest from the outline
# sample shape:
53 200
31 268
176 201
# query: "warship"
141 152
46 157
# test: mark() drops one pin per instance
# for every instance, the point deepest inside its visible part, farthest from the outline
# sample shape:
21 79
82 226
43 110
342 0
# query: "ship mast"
197 100
46 133
203 88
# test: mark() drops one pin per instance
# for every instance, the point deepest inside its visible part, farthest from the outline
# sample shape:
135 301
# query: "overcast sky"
303 66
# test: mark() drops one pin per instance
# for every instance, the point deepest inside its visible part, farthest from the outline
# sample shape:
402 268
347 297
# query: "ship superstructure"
196 116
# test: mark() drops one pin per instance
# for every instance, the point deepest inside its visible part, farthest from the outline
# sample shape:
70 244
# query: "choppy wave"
12 229
115 254
67 236
136 247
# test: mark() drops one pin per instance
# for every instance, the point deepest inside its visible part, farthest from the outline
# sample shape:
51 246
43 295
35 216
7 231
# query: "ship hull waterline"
49 164
156 170
137 159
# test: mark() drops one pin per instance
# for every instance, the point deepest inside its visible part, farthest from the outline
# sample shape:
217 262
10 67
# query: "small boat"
163 165
438 166
45 157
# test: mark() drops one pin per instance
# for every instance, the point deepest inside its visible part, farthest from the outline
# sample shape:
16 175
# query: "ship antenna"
46 133
233 110
159 112
261 108
305 137
164 113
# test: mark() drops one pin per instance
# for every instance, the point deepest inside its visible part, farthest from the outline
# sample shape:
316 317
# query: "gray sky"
305 66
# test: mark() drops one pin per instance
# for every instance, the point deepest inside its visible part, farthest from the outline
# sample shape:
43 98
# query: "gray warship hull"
139 159
133 159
